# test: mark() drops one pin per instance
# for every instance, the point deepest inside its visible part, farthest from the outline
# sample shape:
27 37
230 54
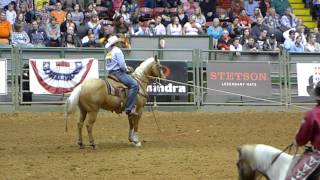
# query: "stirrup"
132 112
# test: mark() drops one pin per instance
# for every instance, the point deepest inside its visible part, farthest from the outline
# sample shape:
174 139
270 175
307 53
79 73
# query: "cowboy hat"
315 93
112 40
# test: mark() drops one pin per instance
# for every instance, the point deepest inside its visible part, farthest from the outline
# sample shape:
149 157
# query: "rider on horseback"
309 131
116 66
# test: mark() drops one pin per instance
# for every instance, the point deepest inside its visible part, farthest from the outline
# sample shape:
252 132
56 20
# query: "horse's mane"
143 66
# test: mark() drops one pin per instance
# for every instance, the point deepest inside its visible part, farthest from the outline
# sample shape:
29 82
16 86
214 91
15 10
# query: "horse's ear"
156 58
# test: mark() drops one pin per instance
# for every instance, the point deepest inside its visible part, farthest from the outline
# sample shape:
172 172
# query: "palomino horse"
258 159
94 94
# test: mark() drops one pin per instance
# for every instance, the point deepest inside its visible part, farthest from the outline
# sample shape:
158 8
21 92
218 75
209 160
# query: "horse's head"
245 171
156 69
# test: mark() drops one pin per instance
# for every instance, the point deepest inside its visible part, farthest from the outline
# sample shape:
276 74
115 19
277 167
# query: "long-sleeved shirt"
11 16
115 60
249 7
20 38
215 34
288 43
310 129
288 22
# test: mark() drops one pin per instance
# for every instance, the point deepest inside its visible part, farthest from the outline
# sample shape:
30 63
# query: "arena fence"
282 64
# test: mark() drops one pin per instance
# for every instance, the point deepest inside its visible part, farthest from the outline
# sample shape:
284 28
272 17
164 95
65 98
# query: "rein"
276 157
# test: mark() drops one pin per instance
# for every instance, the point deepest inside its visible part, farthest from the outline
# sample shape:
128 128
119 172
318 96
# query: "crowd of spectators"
235 25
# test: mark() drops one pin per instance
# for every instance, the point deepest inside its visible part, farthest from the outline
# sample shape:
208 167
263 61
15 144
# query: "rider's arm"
305 131
120 59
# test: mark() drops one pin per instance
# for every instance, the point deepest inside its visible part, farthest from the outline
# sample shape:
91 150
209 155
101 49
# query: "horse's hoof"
94 146
137 144
81 145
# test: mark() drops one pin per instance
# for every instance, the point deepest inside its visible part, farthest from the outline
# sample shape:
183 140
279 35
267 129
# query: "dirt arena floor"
191 145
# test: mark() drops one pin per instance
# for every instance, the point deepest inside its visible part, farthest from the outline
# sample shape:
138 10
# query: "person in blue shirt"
116 66
289 42
297 46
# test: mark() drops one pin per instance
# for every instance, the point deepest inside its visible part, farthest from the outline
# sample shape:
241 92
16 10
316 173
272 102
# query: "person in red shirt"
309 130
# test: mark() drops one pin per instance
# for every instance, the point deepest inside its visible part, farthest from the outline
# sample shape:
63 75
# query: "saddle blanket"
304 166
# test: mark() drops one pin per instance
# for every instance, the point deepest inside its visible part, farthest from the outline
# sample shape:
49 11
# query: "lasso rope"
227 92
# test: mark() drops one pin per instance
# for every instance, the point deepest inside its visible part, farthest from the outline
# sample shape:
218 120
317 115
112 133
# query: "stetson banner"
247 78
3 76
308 74
57 76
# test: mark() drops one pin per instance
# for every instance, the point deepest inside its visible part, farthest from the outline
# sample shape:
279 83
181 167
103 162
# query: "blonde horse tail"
72 103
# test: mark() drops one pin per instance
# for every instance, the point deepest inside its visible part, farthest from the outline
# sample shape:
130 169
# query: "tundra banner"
246 78
3 76
176 71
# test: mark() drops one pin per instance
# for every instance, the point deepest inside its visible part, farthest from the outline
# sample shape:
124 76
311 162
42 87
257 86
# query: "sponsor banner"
176 71
3 76
58 76
247 78
308 74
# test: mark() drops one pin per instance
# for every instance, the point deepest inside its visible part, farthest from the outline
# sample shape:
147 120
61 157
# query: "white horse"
258 159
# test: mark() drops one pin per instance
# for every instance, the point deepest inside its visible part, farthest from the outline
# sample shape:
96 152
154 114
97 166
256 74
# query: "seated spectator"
312 45
258 27
224 41
251 45
40 22
85 39
236 8
215 31
250 6
69 41
174 28
76 39
90 10
236 46
77 14
67 23
280 6
165 17
300 30
105 33
132 6
92 42
189 7
53 32
82 30
44 13
200 17
5 29
272 20
264 7
234 28
11 14
120 26
289 42
271 44
245 21
20 21
297 46
192 27
58 13
317 34
301 23
116 4
28 14
67 5
136 28
245 36
150 30
222 14
256 15
288 20
124 13
38 37
208 8
19 37
95 25
183 18
262 38
160 29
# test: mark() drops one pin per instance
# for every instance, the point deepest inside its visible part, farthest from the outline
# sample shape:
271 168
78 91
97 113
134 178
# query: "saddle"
306 167
116 88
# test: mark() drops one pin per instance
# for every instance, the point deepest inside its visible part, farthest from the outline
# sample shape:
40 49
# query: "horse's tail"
72 103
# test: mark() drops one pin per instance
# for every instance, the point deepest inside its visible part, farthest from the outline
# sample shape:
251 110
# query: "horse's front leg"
131 125
134 138
92 118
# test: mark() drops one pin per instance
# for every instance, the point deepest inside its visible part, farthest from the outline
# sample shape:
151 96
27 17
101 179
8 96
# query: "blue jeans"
131 84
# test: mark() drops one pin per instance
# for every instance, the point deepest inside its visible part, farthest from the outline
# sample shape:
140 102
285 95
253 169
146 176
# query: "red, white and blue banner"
58 76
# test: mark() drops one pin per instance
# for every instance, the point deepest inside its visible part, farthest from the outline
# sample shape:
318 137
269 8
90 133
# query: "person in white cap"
116 65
